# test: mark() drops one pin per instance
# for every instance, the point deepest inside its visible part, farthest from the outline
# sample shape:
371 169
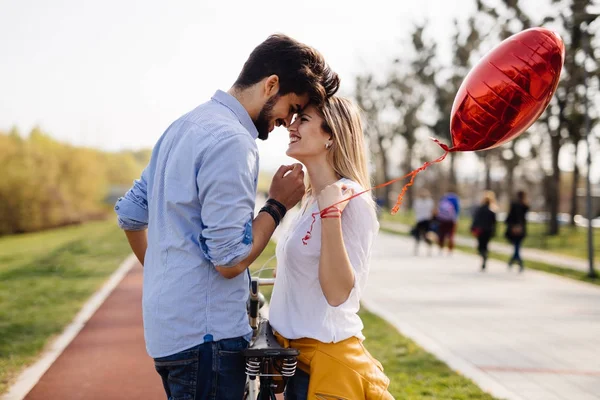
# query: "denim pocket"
179 373
231 368
231 360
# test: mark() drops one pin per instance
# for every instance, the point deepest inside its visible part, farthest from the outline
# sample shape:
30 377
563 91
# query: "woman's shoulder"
366 197
481 209
351 184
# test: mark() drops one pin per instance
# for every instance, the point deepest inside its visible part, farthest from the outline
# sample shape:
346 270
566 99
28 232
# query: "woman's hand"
333 194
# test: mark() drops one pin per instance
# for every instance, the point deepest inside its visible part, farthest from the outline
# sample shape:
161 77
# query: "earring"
327 146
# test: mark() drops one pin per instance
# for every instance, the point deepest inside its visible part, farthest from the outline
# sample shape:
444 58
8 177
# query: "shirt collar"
240 112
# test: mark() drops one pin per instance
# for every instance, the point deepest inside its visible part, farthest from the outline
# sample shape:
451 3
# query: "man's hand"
287 186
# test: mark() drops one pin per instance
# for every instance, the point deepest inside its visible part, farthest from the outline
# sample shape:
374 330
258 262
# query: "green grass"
570 241
414 373
260 261
539 266
45 278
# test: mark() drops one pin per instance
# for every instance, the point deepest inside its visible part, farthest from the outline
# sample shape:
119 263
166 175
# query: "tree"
562 120
444 82
576 22
368 97
46 183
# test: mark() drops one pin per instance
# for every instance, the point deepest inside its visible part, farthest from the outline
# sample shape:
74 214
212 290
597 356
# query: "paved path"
547 257
530 336
107 360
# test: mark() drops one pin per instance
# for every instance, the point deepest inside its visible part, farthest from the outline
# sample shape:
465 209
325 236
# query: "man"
447 215
196 197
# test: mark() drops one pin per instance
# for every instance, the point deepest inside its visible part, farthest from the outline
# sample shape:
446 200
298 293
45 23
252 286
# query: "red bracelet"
331 212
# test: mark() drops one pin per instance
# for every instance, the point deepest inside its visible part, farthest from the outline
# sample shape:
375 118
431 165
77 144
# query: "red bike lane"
107 360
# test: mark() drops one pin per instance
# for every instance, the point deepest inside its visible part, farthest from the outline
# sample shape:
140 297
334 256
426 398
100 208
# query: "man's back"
200 185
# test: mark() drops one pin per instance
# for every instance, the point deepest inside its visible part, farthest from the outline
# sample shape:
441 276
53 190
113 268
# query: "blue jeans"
210 371
297 386
517 253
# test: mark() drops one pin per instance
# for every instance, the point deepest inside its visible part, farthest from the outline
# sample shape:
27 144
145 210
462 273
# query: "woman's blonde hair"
348 153
489 199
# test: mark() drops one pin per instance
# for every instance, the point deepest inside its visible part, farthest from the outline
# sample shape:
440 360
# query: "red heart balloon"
507 91
502 96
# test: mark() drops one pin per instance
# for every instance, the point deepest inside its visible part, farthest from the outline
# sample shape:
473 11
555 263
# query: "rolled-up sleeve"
227 190
132 209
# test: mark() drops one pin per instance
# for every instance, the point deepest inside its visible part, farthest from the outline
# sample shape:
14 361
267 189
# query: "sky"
114 74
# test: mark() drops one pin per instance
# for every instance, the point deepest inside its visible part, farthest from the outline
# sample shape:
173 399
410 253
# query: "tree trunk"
487 162
554 189
383 193
452 177
510 178
574 191
409 158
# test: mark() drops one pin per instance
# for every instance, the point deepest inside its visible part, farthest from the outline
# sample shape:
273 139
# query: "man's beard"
264 118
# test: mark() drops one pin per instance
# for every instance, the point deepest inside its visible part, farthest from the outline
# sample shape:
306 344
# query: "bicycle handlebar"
264 281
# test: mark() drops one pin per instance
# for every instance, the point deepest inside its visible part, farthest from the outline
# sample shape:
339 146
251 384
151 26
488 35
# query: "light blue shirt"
196 197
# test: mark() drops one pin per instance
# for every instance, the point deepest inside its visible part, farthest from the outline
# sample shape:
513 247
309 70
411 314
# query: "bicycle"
266 360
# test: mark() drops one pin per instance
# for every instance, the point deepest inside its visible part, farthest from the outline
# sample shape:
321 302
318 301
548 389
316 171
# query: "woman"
484 225
320 276
423 207
516 227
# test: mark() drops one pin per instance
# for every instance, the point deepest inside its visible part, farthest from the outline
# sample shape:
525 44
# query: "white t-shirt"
298 306
423 209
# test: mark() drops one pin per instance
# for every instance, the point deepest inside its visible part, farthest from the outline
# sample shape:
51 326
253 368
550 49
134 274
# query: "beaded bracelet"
280 207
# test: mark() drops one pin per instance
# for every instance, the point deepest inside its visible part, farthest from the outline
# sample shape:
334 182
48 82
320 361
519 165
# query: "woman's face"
307 138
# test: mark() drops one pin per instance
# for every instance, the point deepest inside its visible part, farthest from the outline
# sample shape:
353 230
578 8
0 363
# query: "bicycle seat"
265 344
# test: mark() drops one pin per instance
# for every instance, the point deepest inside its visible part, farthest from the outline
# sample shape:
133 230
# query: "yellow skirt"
343 370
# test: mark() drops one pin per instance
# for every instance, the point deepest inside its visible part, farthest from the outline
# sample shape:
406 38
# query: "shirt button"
116 207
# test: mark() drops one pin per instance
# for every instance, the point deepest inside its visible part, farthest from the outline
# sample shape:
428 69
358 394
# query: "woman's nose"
288 120
293 126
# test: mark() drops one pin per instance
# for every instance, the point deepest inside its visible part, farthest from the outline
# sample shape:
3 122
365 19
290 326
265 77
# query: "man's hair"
300 68
522 197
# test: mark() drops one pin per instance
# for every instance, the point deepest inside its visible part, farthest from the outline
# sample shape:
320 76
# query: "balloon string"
411 174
